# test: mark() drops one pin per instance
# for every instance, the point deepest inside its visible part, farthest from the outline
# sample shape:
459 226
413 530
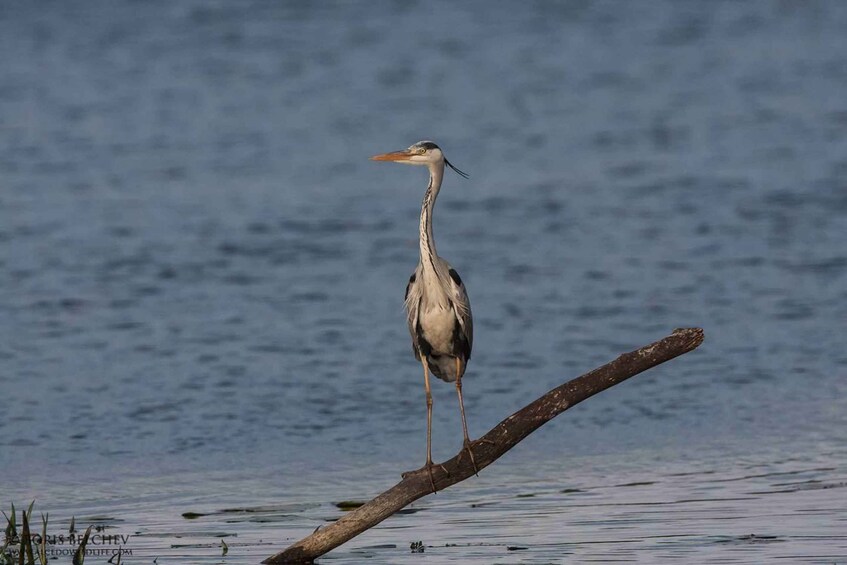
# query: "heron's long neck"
428 252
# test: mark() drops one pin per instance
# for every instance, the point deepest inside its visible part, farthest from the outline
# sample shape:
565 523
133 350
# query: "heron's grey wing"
412 302
462 307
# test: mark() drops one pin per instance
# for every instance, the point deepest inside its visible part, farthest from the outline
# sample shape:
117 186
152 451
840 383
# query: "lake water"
201 273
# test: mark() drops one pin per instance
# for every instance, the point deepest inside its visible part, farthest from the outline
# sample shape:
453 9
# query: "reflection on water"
201 273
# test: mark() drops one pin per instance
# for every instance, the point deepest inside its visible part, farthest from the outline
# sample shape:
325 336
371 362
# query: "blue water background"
201 273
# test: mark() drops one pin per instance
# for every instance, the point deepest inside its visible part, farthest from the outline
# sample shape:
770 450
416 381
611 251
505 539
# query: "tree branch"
490 447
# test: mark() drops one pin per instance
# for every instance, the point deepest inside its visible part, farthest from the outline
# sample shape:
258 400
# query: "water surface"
201 273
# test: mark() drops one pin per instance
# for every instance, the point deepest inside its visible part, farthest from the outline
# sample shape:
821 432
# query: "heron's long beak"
393 156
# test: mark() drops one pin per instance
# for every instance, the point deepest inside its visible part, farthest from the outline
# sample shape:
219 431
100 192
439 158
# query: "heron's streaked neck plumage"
427 242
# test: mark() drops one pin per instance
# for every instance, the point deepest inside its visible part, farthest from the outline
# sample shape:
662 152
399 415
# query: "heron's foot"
468 447
429 473
428 467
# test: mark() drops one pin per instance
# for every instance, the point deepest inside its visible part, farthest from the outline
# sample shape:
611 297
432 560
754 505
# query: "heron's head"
421 153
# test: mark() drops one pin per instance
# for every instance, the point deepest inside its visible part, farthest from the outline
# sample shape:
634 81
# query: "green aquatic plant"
79 556
5 556
11 527
29 546
26 541
42 549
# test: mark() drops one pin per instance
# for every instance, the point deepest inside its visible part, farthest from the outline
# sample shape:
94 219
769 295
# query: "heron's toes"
468 447
428 469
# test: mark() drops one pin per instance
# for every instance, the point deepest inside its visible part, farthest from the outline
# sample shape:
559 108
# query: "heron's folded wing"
412 303
462 308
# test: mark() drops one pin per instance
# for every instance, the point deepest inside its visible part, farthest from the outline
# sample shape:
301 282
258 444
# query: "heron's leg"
428 421
467 442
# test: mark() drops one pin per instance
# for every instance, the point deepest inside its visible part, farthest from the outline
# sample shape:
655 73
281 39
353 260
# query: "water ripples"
199 264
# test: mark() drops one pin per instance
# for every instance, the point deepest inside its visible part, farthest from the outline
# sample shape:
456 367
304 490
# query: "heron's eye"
422 150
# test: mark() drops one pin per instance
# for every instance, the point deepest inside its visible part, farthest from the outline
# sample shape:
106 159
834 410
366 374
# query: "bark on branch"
490 447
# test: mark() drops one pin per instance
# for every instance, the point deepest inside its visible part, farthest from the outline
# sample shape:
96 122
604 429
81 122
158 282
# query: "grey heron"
438 311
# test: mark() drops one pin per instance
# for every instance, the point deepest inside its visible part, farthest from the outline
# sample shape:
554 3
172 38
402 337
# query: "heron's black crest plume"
461 173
